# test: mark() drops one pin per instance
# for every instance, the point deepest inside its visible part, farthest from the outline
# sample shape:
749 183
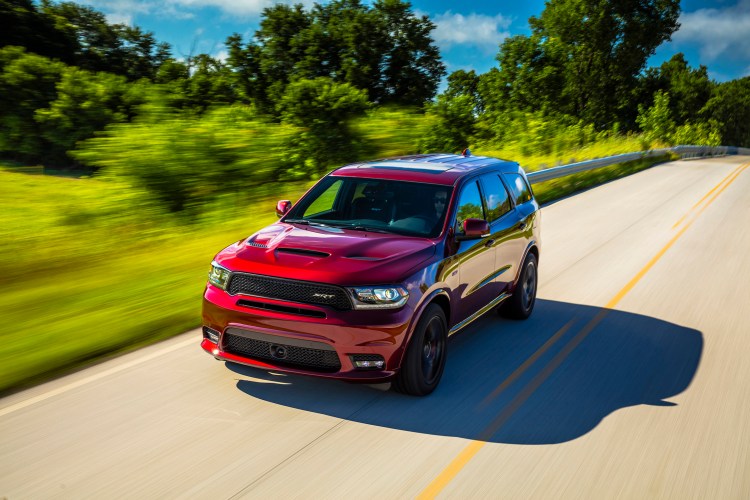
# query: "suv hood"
327 255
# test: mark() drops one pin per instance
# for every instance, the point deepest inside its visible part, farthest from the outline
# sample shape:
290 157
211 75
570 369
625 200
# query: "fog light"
369 364
211 334
368 361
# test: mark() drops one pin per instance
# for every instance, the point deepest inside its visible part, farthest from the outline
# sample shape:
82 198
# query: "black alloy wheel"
521 303
424 361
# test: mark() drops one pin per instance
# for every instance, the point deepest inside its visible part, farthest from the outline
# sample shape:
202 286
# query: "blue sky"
714 33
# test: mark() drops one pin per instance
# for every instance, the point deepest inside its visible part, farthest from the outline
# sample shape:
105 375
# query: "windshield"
408 208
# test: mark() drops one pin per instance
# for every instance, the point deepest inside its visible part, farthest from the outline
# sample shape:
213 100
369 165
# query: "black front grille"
322 360
284 289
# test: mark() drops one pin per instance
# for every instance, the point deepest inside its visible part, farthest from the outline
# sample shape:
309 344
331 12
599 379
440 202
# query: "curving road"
631 379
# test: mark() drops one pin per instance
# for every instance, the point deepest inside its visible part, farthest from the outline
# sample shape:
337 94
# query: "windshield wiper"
356 227
360 227
311 223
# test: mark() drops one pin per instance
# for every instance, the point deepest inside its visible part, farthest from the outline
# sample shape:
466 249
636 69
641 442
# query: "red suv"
366 277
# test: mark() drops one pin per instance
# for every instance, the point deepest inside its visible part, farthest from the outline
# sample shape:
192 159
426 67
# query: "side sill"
460 326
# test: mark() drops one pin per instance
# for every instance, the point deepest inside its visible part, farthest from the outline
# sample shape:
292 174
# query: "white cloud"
120 11
242 8
719 33
484 32
119 18
221 55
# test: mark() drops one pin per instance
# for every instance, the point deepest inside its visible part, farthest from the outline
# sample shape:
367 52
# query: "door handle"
522 226
489 243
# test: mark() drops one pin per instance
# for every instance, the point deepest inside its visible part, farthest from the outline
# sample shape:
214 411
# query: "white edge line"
78 383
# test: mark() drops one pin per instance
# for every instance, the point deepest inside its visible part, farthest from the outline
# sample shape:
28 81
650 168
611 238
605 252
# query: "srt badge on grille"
323 295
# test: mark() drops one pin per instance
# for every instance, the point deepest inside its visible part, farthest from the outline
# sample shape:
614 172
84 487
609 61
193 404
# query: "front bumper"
345 333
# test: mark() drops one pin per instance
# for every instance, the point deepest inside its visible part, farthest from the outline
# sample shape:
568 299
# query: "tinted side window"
469 205
498 202
518 188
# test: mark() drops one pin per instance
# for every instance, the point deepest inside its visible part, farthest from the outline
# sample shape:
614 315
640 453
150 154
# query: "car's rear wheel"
521 303
424 361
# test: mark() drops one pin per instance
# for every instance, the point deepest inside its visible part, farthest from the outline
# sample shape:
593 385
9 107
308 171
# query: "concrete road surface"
631 380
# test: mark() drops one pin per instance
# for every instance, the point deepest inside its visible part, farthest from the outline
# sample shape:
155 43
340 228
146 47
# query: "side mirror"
474 229
283 207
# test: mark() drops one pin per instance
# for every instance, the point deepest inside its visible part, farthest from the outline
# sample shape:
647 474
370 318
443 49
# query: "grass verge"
559 188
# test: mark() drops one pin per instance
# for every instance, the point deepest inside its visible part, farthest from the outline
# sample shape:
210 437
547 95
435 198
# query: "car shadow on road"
546 380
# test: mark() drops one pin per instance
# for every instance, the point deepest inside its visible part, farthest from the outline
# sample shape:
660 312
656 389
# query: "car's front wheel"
424 361
521 303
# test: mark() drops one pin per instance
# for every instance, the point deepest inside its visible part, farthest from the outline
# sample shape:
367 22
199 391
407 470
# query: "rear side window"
469 205
498 201
519 190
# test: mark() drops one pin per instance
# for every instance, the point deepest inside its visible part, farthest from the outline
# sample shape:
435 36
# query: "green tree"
384 49
142 55
656 122
281 47
689 89
323 109
46 106
583 57
452 123
412 66
96 45
729 106
28 82
466 83
531 77
86 102
209 83
172 71
353 40
250 82
25 26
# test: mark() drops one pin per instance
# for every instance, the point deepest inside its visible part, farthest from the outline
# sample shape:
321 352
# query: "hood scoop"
363 257
303 251
256 245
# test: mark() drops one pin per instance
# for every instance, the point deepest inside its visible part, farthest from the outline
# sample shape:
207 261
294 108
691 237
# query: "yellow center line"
521 369
463 458
734 172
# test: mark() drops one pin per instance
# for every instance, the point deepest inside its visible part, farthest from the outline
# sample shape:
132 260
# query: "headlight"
379 297
219 276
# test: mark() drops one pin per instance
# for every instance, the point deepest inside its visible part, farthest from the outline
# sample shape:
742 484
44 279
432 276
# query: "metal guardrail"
584 166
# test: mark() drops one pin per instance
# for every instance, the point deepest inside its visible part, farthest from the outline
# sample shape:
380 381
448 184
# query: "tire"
521 303
424 361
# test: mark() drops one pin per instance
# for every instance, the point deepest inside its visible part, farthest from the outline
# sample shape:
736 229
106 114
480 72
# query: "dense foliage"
81 36
384 49
338 82
187 161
